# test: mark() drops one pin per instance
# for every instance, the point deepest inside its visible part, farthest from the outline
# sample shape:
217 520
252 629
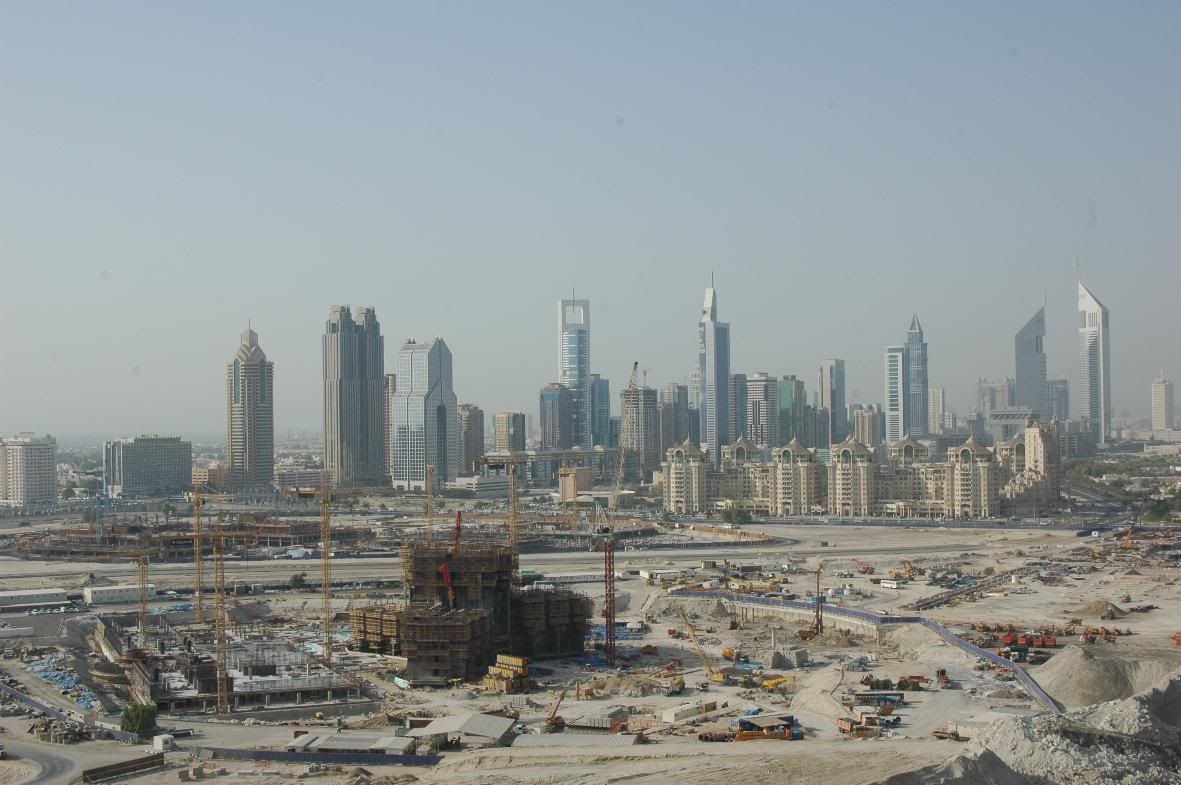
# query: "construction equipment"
199 498
608 532
865 568
445 568
554 723
430 496
817 626
714 675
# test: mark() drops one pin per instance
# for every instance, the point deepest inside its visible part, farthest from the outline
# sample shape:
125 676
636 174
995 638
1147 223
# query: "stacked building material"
509 675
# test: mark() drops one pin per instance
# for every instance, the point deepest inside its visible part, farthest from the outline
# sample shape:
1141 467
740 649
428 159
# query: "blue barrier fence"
356 758
877 619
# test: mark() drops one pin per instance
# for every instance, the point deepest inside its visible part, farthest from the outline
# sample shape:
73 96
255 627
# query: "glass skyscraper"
354 397
917 405
1094 365
425 414
713 356
574 364
1031 390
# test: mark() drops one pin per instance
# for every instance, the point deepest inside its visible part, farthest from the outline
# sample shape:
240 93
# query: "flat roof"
32 592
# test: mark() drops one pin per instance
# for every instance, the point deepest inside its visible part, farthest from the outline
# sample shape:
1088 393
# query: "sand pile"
696 608
1096 746
1099 609
981 768
916 642
1080 676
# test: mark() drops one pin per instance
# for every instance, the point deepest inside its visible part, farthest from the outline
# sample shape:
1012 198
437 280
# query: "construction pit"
1115 716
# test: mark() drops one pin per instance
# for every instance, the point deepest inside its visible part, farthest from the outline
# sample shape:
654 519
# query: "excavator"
554 723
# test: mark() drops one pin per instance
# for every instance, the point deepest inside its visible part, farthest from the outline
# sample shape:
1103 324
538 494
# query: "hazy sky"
170 170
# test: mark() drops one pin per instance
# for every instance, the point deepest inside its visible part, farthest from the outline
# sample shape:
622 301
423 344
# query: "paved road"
55 767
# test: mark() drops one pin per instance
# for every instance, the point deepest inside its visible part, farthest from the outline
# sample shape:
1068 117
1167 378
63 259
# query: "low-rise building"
115 595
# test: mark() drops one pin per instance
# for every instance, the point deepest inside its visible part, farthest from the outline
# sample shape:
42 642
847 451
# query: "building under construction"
462 608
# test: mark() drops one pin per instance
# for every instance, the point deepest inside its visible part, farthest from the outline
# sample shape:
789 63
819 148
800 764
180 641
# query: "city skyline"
679 159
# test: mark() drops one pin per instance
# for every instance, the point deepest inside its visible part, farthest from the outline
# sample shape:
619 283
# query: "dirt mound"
1153 714
916 642
981 768
668 608
1080 676
244 614
1099 609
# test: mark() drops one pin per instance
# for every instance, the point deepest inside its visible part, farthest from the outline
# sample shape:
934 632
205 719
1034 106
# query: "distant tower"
832 397
917 406
426 418
250 417
354 398
738 415
574 364
1094 365
896 400
713 355
471 435
1032 391
600 410
762 410
509 428
1162 404
556 417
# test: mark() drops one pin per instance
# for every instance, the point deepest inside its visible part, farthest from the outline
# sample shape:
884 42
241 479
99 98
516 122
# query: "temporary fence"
355 758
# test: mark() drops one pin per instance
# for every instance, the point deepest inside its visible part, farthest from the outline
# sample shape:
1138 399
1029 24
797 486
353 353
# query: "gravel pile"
983 768
1084 675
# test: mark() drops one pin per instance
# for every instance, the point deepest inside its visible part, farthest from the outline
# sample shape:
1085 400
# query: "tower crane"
199 498
608 531
713 673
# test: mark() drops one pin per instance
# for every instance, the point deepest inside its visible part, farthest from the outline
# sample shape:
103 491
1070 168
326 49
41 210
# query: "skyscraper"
147 466
1162 404
793 397
639 431
762 401
713 355
600 410
354 392
250 417
896 400
426 418
1094 365
936 411
471 437
1059 397
738 399
574 364
676 398
509 430
832 397
28 470
1028 350
917 406
556 410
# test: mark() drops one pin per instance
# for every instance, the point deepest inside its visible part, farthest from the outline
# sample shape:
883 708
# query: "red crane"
445 568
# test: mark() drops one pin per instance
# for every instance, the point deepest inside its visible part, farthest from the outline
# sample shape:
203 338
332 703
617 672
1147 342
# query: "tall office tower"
793 397
1059 399
250 417
868 426
995 395
426 416
738 399
574 364
937 409
639 431
509 430
556 410
600 410
676 397
389 388
147 466
471 437
832 397
1162 404
713 355
896 402
1031 391
666 416
916 380
762 414
28 470
354 406
695 388
1094 365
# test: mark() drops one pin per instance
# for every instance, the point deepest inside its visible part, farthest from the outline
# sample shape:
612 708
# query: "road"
55 767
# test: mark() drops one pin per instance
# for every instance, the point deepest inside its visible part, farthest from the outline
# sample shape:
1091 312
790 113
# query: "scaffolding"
441 647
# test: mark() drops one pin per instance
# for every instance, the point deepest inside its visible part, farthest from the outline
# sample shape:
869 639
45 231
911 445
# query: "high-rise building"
896 401
676 398
28 470
600 411
936 411
509 429
695 389
1059 399
471 437
1094 365
793 397
387 416
1029 352
353 353
762 414
425 416
991 396
639 431
869 426
738 403
832 397
713 354
147 466
250 417
574 364
916 380
556 409
1162 404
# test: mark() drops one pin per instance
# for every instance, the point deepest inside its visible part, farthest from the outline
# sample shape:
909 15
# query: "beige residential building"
509 428
685 480
28 470
852 480
867 426
795 485
1031 468
973 486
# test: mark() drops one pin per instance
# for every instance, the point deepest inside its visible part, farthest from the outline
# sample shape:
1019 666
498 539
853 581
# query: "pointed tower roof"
1087 300
250 351
915 325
